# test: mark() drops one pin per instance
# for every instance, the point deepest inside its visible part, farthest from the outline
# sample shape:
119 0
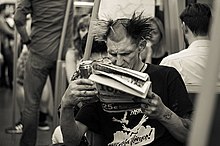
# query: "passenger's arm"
80 90
4 28
72 130
23 8
177 126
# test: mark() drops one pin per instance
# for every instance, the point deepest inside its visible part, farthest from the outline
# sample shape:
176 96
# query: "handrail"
60 63
89 40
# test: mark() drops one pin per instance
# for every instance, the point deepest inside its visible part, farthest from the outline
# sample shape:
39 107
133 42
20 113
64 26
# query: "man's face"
123 53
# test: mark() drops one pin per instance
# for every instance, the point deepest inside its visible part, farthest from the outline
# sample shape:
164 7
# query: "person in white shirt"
191 62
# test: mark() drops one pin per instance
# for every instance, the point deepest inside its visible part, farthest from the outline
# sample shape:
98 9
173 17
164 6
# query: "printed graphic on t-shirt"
137 136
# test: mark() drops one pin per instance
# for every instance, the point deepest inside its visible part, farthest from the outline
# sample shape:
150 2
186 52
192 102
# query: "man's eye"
112 54
125 54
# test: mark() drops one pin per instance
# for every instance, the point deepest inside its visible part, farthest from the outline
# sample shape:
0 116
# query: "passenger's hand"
80 90
152 106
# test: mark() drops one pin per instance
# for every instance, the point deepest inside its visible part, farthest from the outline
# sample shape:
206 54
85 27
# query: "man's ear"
142 44
185 28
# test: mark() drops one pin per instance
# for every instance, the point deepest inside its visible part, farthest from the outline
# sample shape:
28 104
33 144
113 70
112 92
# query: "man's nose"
119 60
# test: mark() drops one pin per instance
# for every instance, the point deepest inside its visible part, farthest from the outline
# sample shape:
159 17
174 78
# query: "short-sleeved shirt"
133 128
46 26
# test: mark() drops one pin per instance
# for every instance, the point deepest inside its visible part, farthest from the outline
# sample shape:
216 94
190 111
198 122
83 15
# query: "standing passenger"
43 43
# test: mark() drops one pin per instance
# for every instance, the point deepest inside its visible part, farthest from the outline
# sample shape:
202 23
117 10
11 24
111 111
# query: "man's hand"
152 106
80 90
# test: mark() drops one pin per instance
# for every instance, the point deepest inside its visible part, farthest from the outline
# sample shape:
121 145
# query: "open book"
119 84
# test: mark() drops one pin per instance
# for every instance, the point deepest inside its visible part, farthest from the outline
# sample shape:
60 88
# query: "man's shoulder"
162 73
160 69
174 57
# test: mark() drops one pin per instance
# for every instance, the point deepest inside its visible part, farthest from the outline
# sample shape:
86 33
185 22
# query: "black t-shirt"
133 128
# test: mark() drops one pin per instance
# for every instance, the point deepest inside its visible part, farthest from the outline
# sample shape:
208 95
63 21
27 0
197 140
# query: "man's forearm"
177 126
23 33
20 22
72 134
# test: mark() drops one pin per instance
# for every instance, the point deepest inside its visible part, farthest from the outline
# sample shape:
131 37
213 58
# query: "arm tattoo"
186 123
186 120
168 115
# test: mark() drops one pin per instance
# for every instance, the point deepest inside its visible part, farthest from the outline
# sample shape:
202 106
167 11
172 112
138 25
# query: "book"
117 84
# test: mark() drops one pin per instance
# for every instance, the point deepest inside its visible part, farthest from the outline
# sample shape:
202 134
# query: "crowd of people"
163 118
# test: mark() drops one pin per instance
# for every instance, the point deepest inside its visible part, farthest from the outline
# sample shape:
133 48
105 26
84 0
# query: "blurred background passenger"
191 62
75 53
6 48
43 44
155 49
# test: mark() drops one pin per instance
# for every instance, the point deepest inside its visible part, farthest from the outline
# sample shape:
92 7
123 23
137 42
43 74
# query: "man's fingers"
84 93
84 82
85 87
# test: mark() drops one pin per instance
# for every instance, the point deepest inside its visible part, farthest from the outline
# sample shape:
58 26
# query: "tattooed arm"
154 108
177 126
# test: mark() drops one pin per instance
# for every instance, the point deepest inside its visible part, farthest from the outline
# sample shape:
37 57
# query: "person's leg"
45 98
8 60
3 82
18 127
20 97
35 77
43 125
52 76
10 68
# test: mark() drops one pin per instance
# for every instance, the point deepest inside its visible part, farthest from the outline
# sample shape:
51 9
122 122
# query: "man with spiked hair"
163 118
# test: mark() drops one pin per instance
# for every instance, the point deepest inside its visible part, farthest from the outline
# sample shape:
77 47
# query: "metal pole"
91 136
14 94
207 98
89 40
59 68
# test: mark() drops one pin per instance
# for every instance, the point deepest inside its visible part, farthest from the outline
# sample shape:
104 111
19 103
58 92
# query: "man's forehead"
118 31
124 45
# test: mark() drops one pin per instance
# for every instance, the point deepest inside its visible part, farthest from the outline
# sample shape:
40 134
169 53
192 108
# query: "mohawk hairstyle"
138 27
